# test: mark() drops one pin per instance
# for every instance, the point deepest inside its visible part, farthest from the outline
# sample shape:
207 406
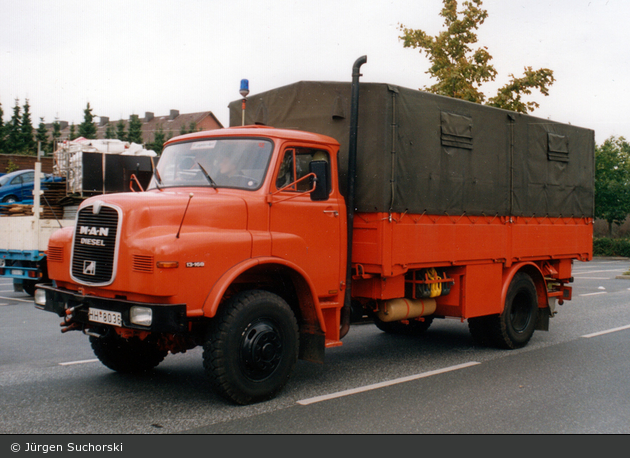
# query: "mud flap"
542 321
312 347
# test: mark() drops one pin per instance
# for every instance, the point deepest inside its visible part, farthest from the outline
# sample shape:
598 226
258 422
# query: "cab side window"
295 165
286 174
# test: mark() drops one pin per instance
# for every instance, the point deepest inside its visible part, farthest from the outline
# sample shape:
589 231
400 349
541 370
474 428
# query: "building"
172 125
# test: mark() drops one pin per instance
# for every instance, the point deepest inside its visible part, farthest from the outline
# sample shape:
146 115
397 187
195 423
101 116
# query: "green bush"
605 246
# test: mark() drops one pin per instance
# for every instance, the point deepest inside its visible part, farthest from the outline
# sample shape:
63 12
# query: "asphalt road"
572 379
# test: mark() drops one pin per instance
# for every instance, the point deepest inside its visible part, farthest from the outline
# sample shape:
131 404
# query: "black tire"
29 287
129 356
10 199
409 328
252 348
515 326
481 330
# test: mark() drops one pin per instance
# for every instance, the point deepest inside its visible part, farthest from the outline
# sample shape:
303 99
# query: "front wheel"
252 348
127 355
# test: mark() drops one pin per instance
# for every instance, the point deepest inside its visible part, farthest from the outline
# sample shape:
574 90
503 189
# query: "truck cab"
239 229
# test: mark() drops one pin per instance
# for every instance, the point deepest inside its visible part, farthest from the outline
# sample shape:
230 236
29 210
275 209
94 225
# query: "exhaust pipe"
352 168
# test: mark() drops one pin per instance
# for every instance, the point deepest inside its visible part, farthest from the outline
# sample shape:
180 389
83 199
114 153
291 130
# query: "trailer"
87 168
24 241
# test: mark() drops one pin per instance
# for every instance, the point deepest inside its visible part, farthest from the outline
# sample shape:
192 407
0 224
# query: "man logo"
89 267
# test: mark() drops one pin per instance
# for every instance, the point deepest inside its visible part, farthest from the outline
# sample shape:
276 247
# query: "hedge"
605 246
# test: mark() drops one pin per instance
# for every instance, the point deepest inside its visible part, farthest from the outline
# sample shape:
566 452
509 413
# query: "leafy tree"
460 70
120 131
509 96
73 132
87 128
42 136
26 130
135 130
12 167
612 181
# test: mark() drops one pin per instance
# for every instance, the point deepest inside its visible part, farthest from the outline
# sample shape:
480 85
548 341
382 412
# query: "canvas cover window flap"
456 130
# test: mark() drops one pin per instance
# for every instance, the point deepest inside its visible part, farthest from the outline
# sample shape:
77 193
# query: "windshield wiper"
208 177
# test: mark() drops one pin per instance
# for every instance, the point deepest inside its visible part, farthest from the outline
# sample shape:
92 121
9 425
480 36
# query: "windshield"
226 163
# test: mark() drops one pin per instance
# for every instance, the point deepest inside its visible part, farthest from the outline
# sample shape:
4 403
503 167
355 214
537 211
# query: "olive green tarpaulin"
419 152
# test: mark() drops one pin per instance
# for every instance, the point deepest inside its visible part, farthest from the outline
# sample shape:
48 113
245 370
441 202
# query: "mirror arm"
309 175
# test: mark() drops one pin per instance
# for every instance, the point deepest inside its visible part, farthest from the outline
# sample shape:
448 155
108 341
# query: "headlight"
40 297
142 316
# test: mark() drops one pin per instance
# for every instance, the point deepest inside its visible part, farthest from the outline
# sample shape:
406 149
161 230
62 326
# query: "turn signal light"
167 264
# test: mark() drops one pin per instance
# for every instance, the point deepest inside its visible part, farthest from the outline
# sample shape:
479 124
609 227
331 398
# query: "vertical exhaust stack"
352 168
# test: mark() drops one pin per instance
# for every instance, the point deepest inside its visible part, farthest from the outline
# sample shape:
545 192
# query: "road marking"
375 386
16 299
595 334
596 278
595 271
593 294
85 361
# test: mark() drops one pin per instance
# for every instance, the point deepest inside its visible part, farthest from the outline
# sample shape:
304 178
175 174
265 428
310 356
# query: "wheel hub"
261 350
521 312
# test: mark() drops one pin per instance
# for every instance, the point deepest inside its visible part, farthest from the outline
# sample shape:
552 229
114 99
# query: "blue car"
18 186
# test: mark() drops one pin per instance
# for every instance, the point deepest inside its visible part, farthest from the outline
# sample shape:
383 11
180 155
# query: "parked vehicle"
18 186
258 242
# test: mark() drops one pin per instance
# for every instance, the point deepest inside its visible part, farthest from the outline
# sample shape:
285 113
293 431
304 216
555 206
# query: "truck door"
304 231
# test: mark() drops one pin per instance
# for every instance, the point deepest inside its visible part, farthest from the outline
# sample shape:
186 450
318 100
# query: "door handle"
332 212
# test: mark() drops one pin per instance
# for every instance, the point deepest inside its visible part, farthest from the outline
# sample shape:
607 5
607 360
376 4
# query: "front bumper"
167 318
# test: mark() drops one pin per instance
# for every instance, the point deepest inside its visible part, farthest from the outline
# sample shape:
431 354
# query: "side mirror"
320 169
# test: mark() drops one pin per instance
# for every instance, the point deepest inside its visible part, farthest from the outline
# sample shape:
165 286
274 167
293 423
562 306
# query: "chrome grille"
94 251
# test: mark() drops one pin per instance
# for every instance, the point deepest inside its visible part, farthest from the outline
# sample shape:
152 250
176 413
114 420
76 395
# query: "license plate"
105 317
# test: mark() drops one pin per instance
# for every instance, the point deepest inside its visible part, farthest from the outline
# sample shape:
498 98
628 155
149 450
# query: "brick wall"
25 162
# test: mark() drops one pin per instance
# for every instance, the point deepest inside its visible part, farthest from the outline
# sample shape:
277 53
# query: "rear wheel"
515 326
29 287
480 328
253 347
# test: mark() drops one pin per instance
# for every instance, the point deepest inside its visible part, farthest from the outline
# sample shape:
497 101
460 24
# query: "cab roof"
256 131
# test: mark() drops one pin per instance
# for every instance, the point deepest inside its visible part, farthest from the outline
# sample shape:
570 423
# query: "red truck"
262 243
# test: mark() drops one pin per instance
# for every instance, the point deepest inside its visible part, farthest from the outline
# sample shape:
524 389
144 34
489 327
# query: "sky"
127 57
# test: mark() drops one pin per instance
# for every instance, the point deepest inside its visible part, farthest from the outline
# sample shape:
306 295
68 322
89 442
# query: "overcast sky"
128 57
